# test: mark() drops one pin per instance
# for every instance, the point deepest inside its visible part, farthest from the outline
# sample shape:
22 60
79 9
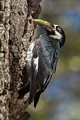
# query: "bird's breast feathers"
30 53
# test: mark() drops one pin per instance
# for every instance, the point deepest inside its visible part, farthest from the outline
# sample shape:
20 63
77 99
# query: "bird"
41 58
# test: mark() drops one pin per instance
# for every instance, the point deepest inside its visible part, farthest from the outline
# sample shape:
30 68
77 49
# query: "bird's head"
54 31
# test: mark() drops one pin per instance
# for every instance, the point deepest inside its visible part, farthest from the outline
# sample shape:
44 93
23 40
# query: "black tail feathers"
32 91
36 99
23 91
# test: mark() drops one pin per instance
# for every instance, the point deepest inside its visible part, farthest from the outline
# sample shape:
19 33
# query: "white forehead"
55 25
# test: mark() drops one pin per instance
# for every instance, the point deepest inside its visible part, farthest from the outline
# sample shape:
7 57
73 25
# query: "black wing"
42 63
46 52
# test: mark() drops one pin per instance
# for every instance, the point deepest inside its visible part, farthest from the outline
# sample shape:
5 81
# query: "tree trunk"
16 31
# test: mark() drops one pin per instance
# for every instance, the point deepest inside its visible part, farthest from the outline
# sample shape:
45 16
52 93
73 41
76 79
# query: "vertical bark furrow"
4 59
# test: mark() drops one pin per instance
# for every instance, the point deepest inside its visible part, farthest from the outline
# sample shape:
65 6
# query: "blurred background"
61 99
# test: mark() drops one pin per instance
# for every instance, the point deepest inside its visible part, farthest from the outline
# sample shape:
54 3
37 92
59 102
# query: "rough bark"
16 31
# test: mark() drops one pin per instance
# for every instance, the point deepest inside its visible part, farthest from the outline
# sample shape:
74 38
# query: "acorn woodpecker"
41 59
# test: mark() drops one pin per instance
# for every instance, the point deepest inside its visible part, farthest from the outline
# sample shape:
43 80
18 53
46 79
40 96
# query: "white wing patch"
36 63
30 53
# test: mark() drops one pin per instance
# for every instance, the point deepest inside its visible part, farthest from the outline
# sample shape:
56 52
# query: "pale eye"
59 29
